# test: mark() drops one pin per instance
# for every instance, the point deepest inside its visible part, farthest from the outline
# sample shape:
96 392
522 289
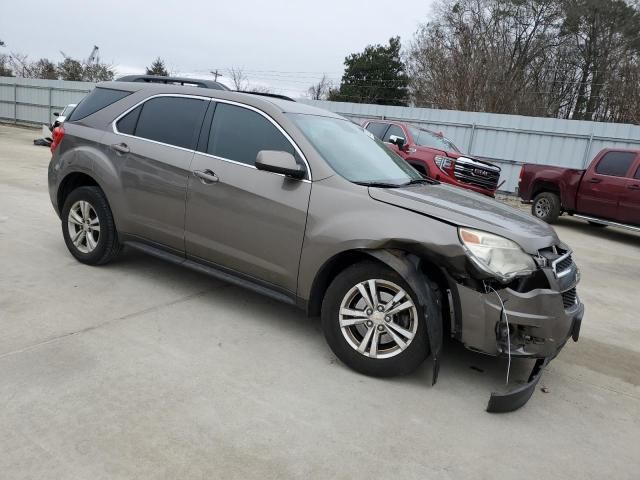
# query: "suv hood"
464 208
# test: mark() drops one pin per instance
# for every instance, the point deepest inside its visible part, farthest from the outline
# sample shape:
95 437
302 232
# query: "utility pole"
216 74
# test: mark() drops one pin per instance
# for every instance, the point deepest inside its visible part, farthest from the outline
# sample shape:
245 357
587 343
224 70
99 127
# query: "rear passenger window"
127 124
172 120
615 164
96 100
377 129
239 134
394 130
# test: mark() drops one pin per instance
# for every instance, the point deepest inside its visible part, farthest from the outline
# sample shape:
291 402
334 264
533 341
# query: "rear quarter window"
98 99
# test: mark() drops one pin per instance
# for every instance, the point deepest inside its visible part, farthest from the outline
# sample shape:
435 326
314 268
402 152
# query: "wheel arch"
72 181
343 260
542 186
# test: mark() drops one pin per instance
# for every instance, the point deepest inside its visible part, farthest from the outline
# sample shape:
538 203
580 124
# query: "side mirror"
397 141
279 162
56 114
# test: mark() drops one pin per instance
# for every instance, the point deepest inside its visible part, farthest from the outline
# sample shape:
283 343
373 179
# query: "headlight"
443 163
496 255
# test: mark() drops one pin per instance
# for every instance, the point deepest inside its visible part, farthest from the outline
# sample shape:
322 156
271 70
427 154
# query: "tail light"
56 136
446 164
521 175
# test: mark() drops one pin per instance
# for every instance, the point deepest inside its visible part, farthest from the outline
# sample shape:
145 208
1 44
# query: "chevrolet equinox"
307 207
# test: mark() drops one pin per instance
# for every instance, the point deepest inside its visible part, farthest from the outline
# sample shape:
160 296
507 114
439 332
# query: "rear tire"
88 227
391 319
546 206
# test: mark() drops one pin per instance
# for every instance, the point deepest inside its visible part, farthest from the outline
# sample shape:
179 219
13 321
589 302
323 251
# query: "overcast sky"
270 39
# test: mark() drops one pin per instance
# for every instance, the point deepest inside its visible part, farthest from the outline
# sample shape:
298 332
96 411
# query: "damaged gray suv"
304 206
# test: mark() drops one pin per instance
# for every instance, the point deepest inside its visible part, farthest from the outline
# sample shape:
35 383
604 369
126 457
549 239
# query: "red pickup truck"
437 157
607 193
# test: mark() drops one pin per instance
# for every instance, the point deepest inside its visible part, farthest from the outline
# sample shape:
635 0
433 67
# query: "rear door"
604 185
629 209
153 145
241 218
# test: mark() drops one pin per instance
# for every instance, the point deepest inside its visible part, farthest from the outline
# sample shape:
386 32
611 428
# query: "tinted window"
637 177
172 120
127 124
377 129
96 100
615 164
394 130
239 134
353 153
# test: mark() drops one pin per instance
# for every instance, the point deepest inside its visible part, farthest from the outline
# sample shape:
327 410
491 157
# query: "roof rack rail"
188 82
266 94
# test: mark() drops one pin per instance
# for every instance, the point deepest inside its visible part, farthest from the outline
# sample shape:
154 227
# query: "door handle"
595 180
634 187
120 148
207 177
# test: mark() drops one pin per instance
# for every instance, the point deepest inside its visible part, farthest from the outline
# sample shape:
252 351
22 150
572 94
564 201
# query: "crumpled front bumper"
540 323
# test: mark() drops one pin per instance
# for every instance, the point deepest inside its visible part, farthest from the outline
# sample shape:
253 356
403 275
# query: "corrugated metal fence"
33 101
508 140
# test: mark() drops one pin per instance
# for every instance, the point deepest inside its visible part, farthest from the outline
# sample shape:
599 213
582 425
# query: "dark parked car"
435 156
304 206
606 193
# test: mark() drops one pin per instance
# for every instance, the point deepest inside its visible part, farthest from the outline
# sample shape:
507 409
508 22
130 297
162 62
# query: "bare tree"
320 90
238 78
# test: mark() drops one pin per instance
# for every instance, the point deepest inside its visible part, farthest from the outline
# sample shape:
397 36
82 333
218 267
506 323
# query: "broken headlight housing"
498 256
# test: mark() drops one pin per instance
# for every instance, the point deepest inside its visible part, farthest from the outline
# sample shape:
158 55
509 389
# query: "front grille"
477 173
569 298
564 264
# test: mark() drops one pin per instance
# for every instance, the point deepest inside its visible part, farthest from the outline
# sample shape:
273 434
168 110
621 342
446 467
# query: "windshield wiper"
421 181
380 184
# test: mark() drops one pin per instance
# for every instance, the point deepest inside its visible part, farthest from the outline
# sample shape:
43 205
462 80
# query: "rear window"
96 100
615 164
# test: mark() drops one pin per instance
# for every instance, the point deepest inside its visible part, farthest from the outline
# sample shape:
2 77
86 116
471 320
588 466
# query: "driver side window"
394 130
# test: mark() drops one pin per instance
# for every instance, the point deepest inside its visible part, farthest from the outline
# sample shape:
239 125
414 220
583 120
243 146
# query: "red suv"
437 157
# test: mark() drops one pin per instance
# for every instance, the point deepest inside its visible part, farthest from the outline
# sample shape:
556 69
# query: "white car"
62 116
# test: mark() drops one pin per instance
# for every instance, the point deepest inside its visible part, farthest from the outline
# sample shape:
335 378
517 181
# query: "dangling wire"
506 319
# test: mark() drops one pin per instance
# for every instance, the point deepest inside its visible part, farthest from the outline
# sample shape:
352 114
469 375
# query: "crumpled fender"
407 266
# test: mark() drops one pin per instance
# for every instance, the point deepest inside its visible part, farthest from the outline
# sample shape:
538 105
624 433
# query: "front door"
241 218
602 187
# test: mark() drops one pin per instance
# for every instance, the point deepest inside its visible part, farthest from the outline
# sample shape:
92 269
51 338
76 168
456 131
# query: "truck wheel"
546 206
373 323
88 227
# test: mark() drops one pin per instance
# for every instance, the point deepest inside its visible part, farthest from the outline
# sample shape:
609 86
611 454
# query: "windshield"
354 153
425 138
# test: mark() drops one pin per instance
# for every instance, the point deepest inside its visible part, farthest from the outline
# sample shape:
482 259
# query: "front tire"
373 323
88 227
546 206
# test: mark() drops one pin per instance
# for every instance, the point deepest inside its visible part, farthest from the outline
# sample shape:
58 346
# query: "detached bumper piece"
518 396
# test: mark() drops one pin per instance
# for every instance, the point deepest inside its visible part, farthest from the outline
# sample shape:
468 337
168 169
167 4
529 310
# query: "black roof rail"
188 82
265 94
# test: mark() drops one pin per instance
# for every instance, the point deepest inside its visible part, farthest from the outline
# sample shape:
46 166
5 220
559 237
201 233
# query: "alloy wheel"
84 226
378 318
